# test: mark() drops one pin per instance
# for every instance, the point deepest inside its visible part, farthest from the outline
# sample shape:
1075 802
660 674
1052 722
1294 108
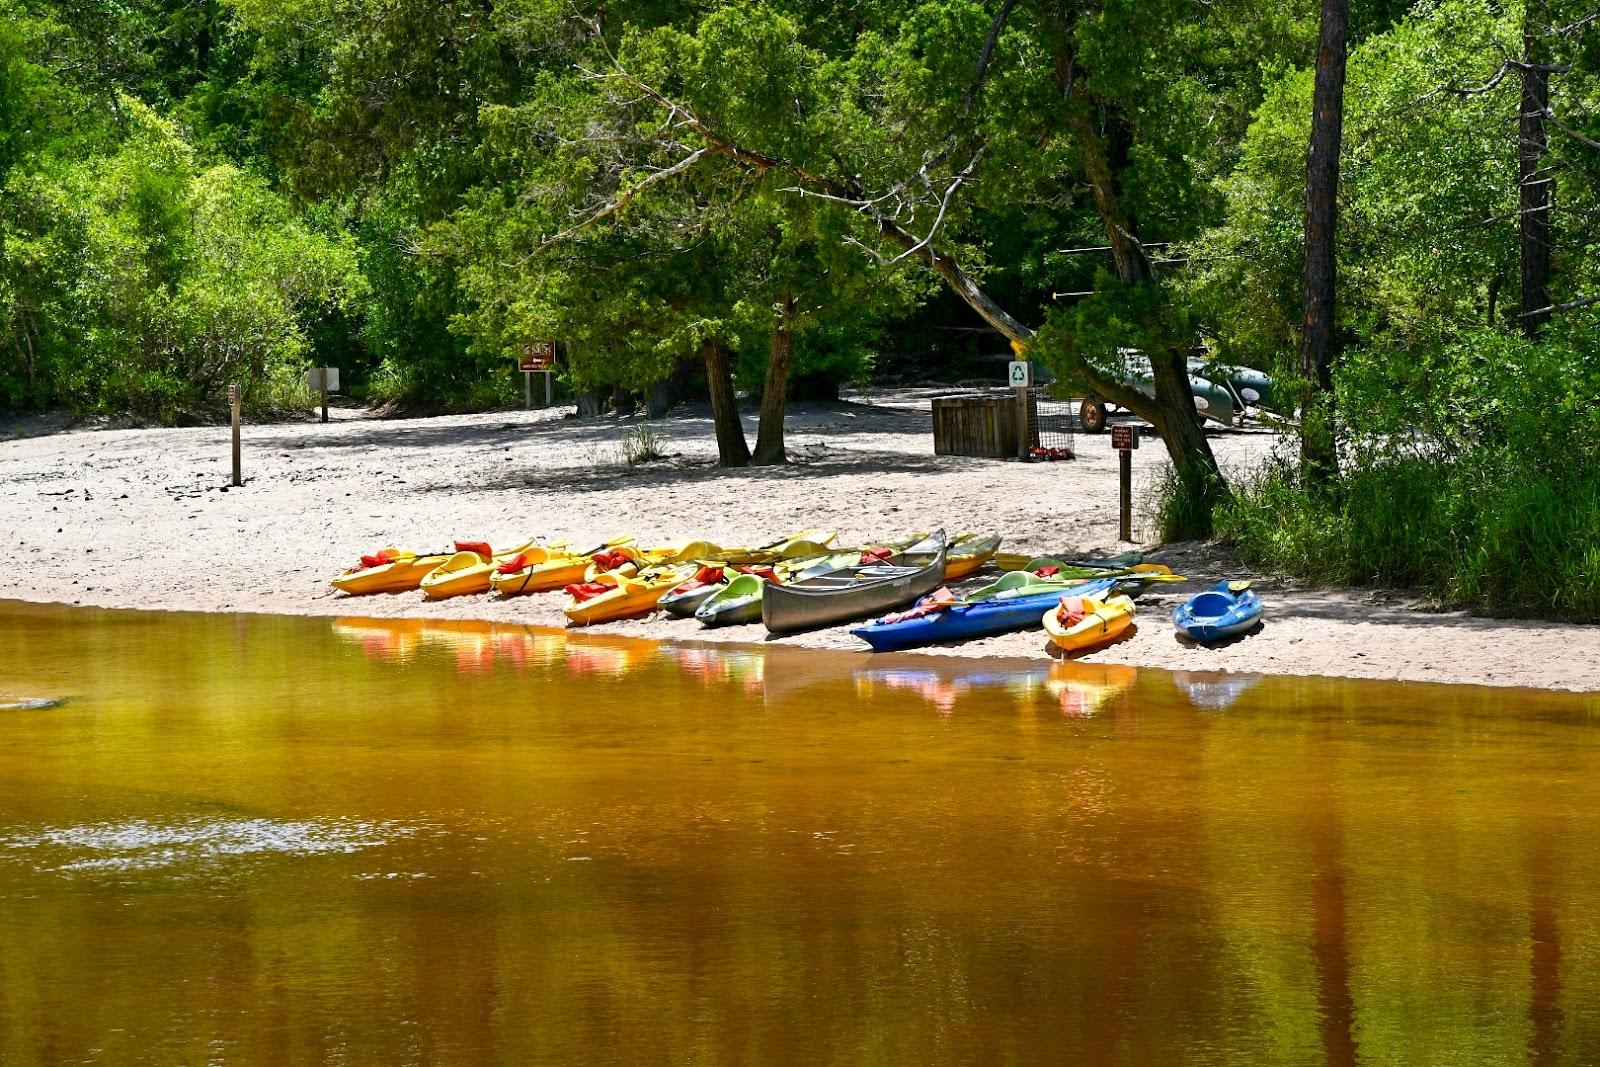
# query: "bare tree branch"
1550 116
626 197
944 204
1585 302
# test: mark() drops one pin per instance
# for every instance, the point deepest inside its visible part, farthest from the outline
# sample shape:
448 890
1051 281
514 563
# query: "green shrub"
1484 530
641 444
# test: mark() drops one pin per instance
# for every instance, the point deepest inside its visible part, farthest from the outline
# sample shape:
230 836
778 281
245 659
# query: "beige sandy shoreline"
141 519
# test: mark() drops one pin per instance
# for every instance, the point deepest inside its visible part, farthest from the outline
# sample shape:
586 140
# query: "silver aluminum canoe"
856 592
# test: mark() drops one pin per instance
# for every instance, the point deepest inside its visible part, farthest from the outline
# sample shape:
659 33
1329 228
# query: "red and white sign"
537 355
1123 439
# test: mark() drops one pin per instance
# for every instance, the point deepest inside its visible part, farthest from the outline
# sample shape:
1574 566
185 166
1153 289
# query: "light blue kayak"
1225 610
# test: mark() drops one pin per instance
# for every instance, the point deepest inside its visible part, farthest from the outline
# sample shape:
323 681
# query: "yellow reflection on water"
257 839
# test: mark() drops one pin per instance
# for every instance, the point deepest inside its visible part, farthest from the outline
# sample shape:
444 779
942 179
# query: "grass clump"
642 444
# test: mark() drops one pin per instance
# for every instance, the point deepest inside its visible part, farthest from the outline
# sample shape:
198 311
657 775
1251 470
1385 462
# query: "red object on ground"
581 591
513 565
480 547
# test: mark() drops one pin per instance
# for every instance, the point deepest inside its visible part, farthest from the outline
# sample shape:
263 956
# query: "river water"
254 839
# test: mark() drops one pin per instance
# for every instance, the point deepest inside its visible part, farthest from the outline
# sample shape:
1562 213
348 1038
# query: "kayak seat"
1211 605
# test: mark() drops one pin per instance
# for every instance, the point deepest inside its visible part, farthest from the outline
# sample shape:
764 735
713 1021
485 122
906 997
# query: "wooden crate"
975 426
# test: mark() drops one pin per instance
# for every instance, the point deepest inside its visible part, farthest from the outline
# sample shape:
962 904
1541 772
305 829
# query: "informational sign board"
1123 438
537 356
1019 374
323 379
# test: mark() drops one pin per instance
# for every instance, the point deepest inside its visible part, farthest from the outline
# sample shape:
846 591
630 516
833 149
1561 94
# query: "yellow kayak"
622 594
543 568
967 553
469 571
1084 622
801 545
388 570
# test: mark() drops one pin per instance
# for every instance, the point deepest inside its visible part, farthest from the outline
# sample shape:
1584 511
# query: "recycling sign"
1020 374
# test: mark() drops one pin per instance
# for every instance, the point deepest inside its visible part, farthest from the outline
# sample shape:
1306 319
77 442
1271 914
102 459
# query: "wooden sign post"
323 380
1124 439
1019 375
537 357
233 409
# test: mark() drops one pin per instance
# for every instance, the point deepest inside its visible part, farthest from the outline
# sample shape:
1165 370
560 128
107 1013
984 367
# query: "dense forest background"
795 194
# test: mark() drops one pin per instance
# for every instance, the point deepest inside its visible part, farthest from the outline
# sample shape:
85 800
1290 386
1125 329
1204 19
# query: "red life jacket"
377 559
610 561
513 565
581 591
1072 611
480 547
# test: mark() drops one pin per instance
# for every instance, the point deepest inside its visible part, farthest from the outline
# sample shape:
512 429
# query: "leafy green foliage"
142 280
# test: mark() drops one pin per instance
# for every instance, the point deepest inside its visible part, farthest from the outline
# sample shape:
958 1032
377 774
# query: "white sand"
141 519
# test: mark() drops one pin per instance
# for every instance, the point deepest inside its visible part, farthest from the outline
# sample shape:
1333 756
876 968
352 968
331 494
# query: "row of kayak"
804 582
1077 614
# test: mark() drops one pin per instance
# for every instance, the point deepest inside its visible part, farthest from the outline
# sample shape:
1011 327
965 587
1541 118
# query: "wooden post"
233 406
1024 439
549 388
527 390
324 404
1125 483
1125 439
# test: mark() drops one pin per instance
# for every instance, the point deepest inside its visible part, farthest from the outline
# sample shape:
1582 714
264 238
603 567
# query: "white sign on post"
1020 374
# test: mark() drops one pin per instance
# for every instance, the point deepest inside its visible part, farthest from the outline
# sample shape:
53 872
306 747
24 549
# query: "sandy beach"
144 519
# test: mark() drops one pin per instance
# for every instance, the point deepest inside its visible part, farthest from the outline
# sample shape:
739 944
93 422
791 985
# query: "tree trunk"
775 389
623 402
732 451
1171 411
659 400
1317 451
1533 144
590 402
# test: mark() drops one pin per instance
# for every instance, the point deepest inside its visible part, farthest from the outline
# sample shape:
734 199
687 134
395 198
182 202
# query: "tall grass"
1483 531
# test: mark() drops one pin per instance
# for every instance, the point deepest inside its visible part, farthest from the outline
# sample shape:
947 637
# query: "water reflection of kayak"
1214 692
1084 689
944 687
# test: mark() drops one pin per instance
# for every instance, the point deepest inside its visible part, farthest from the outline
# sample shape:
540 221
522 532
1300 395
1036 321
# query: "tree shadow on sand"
606 478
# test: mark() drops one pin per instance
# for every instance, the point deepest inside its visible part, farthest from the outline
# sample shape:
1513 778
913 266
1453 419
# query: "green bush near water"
1483 532
1471 470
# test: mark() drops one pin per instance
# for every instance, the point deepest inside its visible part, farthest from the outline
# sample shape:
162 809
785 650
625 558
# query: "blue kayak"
997 612
1226 609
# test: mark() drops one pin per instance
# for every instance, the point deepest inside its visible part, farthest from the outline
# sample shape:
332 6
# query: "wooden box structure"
976 426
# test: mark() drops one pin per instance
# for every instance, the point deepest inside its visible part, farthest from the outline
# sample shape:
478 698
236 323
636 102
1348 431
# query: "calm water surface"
269 840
